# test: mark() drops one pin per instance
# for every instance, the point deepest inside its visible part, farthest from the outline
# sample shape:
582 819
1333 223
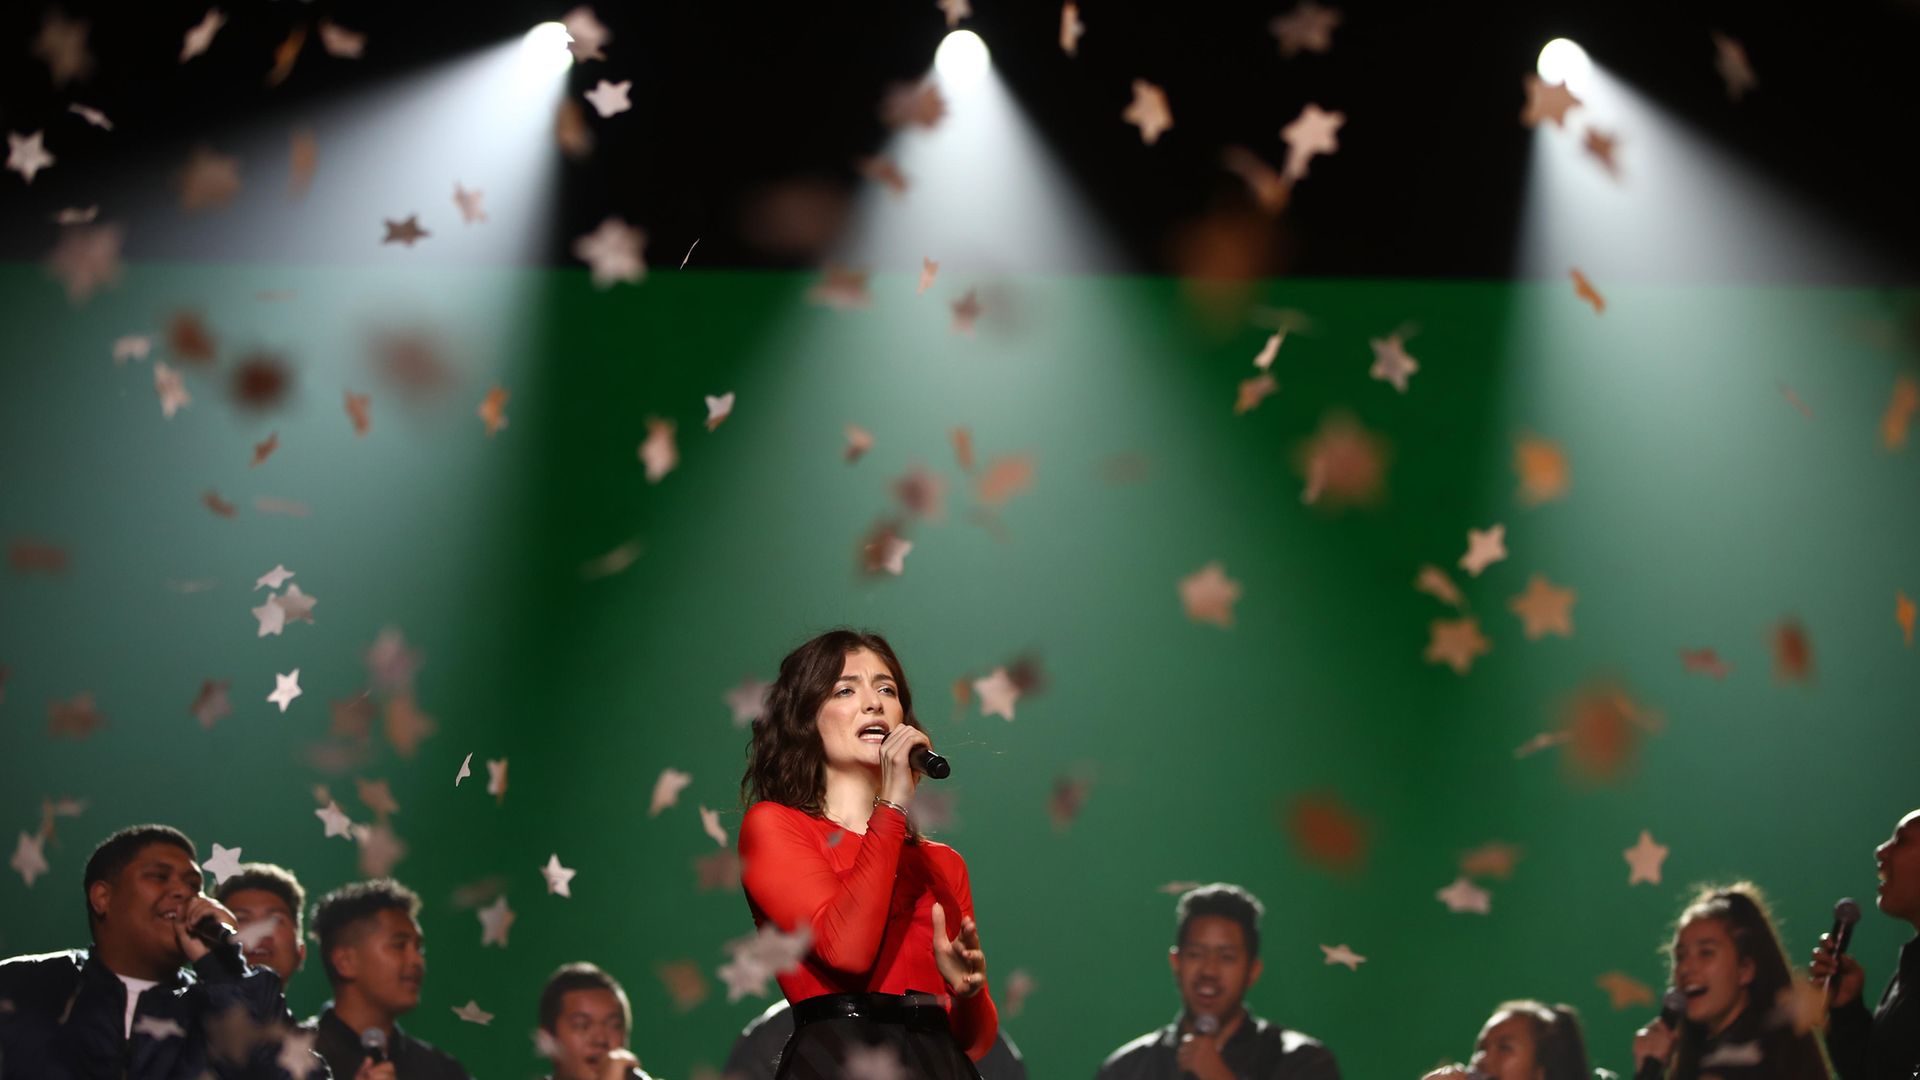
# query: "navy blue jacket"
63 1017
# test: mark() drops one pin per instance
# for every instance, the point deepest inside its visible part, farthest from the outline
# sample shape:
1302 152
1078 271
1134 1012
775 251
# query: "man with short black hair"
584 1021
269 903
374 955
1216 960
128 1006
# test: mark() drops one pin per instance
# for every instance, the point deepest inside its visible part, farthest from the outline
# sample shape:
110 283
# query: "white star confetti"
272 617
614 252
466 770
29 858
1644 859
1484 548
337 823
710 824
559 878
1340 954
1314 131
718 409
468 202
495 920
1148 111
224 864
200 37
610 98
659 453
27 154
747 701
472 1013
132 347
667 789
1391 364
497 778
588 33
998 692
285 689
1464 896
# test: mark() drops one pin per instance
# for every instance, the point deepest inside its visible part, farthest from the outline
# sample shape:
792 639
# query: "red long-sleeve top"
869 902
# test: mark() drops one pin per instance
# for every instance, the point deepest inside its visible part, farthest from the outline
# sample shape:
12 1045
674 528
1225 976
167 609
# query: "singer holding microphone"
1883 1044
139 1002
1724 1016
827 846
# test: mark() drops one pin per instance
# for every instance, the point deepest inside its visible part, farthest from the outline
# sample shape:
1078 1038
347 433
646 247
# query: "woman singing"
1525 1040
895 965
1738 1024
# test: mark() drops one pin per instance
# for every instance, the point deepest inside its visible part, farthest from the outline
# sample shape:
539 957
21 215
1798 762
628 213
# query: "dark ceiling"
731 97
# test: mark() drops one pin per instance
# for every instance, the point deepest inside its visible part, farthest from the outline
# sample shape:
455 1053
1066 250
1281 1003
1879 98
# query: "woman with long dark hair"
1525 1040
1739 1021
894 969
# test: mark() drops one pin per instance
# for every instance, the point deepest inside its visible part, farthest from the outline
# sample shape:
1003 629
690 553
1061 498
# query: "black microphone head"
1673 1006
1846 913
374 1042
929 764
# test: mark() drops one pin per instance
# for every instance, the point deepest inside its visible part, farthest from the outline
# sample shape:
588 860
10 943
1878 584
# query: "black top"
65 1018
757 1051
1257 1050
1752 1048
412 1059
1886 1044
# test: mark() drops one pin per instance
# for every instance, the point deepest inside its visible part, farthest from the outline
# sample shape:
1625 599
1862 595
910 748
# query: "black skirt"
877 1035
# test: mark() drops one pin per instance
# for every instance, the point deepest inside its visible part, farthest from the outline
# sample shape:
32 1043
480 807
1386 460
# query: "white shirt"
135 987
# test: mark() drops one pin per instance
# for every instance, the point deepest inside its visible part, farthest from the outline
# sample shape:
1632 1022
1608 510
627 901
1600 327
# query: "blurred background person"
1216 960
584 1022
1883 1044
374 954
270 906
1524 1040
1728 961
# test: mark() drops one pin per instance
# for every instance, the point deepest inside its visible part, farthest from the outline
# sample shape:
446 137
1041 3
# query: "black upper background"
730 96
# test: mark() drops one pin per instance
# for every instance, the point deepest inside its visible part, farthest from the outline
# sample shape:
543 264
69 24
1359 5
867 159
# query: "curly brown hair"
786 762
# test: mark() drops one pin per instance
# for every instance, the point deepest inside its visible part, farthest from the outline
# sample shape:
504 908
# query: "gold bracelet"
879 802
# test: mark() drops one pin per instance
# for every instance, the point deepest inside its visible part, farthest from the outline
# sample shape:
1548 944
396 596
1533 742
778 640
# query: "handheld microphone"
373 1042
1845 914
928 764
219 939
1673 1006
1206 1024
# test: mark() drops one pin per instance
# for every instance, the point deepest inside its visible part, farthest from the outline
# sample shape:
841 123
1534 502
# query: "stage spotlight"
1562 61
544 52
961 59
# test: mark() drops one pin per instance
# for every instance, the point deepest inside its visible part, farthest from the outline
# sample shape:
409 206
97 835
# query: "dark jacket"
1753 1047
757 1051
1884 1044
1257 1050
412 1059
63 1017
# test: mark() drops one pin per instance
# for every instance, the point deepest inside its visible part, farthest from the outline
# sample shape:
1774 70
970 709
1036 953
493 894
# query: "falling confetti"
685 983
610 98
1704 662
1326 832
559 878
1208 595
1252 392
1903 613
1584 289
1547 101
1544 472
1148 111
74 718
1792 653
1435 583
1463 896
466 770
1624 991
337 823
285 689
29 858
200 37
493 410
1314 131
1644 860
613 252
1484 548
406 725
496 919
998 693
718 409
1391 364
1341 954
659 453
1730 60
1071 28
472 1013
1456 643
1544 609
1492 859
210 705
667 789
406 231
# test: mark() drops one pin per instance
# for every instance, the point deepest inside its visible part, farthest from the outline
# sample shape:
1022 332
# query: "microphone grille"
1206 1024
373 1039
1846 912
1674 1000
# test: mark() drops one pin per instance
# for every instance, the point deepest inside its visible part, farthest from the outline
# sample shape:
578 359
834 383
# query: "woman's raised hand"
897 778
962 963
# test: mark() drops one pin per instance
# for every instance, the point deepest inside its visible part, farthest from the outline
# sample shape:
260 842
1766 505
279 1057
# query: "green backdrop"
1705 508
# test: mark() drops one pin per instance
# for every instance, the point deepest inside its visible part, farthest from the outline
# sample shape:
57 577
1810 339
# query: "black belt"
913 1009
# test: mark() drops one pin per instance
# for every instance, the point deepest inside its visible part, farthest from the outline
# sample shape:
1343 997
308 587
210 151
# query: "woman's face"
1506 1050
1708 969
860 711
